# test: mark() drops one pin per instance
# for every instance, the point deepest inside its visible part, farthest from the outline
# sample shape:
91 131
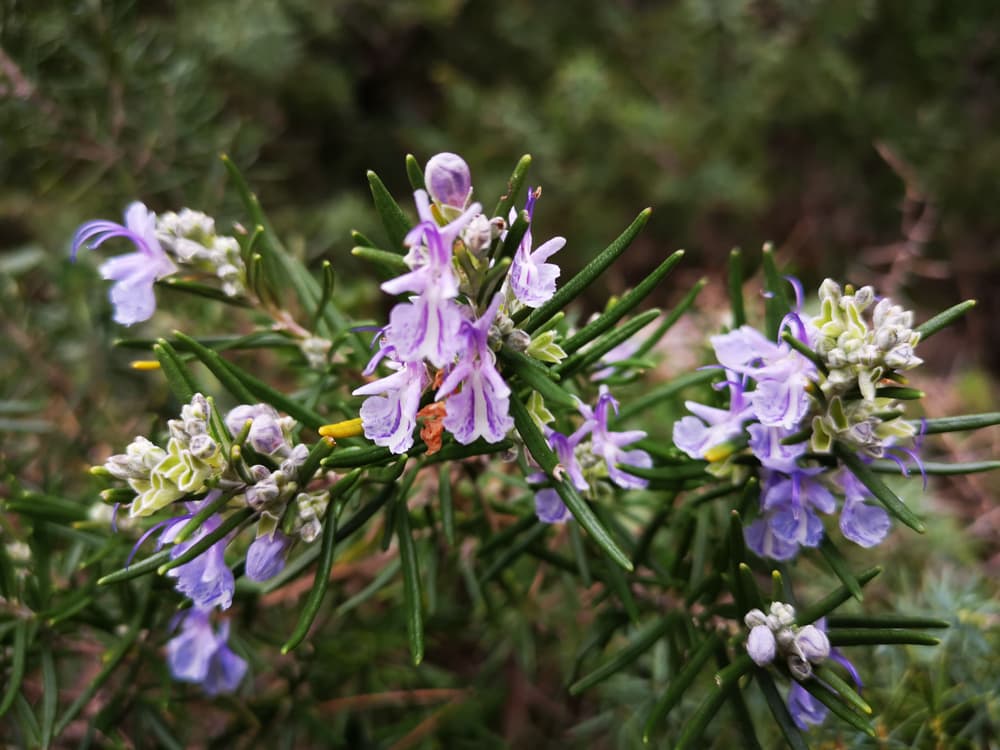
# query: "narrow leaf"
776 304
50 697
878 488
827 604
934 467
957 424
394 221
845 691
792 734
575 286
392 264
725 682
175 372
414 173
736 288
944 319
679 685
547 460
670 318
838 564
447 505
884 621
514 185
832 701
146 565
877 636
582 360
200 546
640 643
411 583
623 307
218 367
16 674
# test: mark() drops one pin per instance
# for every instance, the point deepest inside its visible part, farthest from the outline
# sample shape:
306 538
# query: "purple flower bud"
761 645
448 179
266 556
812 643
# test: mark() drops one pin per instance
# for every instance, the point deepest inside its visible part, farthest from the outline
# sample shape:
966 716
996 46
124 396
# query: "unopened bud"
448 179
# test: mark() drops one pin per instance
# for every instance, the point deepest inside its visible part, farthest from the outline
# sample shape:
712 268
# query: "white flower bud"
754 618
812 643
761 645
784 612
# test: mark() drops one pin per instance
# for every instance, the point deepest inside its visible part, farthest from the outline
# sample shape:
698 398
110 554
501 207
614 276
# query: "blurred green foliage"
738 121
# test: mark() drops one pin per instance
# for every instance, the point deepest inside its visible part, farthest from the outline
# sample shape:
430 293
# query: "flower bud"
784 612
799 667
761 644
754 618
448 179
202 446
266 556
812 643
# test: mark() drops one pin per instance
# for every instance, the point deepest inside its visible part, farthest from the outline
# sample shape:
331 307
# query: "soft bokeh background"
859 136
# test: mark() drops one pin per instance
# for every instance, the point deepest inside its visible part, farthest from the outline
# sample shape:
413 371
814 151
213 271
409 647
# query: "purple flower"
711 427
805 709
609 445
789 521
550 508
427 326
766 445
206 579
481 407
448 179
860 522
266 435
266 556
781 374
133 273
532 280
390 415
198 653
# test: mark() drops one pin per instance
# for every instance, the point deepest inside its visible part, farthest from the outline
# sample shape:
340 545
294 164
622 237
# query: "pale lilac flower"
389 416
133 273
761 645
199 653
711 427
805 709
266 556
766 445
550 508
864 524
206 579
610 445
789 520
812 643
532 280
448 179
481 407
427 326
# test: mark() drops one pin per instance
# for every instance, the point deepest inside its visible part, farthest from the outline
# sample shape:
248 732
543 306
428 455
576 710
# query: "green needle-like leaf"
878 488
510 553
146 565
391 264
321 580
537 376
845 691
515 234
547 460
725 682
670 318
447 506
827 604
841 709
639 644
411 583
944 319
957 424
230 523
414 173
514 185
218 367
607 342
50 697
623 307
736 288
18 660
838 564
394 221
194 523
776 304
791 733
275 398
201 290
884 621
575 286
175 372
878 636
934 467
668 390
679 685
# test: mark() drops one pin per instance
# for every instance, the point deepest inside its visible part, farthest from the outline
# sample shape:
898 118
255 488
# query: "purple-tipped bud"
266 556
761 645
448 179
812 643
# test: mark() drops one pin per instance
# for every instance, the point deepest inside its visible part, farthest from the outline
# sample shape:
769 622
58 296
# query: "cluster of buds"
190 238
776 635
856 351
191 462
